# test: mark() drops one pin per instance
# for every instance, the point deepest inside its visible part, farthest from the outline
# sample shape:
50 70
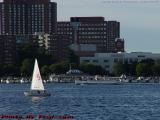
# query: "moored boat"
109 82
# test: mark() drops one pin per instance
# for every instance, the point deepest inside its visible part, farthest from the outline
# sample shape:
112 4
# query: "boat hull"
37 93
79 82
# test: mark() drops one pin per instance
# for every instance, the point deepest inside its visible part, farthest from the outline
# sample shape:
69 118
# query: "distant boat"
109 82
22 80
7 81
37 88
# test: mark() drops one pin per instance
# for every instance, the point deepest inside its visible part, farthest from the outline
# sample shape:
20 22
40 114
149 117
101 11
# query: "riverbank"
73 78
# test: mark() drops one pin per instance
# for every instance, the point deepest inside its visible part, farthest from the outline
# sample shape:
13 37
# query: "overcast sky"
140 19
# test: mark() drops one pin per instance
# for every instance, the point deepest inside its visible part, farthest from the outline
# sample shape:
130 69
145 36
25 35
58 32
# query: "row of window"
91 37
81 32
83 24
115 60
95 61
83 28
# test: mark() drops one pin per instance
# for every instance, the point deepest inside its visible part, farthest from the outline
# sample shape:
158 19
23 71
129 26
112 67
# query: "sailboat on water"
37 88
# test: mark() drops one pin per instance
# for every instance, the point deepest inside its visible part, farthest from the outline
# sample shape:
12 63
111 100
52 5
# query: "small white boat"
37 88
7 81
22 80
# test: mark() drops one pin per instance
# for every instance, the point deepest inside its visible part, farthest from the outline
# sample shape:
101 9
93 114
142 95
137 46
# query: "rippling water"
88 102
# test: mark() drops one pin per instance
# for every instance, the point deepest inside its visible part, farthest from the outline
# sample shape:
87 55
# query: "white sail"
37 83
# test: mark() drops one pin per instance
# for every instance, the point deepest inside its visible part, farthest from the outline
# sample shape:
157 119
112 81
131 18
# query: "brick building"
7 49
27 16
91 30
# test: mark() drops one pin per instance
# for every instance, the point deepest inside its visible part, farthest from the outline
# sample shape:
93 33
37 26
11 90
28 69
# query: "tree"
119 68
72 57
156 68
27 67
45 70
142 69
92 69
59 68
132 68
10 70
1 70
147 66
32 51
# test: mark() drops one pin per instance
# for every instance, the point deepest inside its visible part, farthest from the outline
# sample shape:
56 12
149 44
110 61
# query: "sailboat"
37 88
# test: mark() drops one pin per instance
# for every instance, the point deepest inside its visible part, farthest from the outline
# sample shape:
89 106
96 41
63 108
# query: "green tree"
142 69
119 68
45 70
72 57
33 50
10 70
156 68
147 64
92 69
132 69
1 70
27 67
59 68
125 68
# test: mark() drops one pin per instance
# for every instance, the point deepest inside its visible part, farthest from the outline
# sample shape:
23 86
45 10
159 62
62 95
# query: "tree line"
147 67
48 65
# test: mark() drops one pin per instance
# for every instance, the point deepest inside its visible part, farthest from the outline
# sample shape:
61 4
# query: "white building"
107 60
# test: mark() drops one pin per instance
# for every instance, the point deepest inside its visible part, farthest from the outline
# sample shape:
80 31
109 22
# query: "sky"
139 19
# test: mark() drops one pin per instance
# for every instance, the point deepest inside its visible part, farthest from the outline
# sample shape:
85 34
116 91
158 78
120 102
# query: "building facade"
7 49
11 45
91 30
27 16
59 45
108 60
119 43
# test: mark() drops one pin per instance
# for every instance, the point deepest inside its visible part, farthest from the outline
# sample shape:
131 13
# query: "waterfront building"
27 16
108 60
91 30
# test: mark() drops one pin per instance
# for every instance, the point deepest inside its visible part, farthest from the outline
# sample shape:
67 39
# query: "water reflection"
36 99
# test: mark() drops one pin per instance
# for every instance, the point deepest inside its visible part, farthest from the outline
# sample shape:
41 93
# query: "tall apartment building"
27 16
91 30
11 45
7 49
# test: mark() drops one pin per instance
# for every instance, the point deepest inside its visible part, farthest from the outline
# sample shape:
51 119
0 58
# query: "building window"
86 61
106 66
106 61
115 60
95 61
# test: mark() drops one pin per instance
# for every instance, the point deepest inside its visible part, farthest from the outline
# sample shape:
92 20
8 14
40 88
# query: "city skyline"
139 19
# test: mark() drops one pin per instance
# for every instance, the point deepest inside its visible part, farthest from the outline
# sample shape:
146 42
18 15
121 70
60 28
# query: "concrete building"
28 16
91 30
108 60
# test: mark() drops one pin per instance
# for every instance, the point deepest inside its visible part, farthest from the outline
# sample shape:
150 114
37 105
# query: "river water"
87 102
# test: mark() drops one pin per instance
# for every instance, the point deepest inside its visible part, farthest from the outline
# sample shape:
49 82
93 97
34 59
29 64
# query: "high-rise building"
27 16
7 49
91 30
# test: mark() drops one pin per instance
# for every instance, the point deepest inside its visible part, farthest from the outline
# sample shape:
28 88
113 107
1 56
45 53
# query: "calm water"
88 102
